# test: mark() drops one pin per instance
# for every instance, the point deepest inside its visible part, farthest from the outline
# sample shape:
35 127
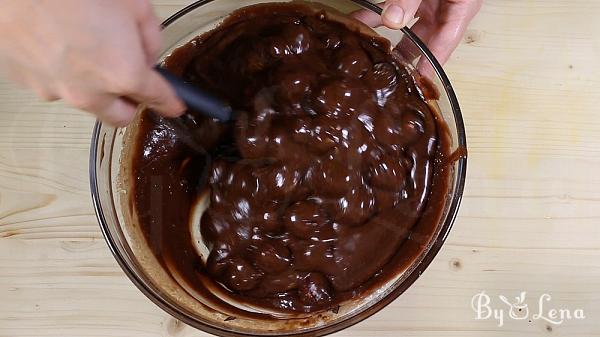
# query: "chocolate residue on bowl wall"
331 179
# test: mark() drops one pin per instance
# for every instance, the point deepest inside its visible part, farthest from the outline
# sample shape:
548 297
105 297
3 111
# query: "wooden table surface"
528 78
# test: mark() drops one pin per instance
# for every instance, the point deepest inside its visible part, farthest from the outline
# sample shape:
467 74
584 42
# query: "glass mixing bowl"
108 179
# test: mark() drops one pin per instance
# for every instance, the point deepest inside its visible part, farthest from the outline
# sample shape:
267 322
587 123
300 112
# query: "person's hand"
96 55
441 24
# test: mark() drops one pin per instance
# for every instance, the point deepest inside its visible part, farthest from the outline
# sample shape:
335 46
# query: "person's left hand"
96 55
441 25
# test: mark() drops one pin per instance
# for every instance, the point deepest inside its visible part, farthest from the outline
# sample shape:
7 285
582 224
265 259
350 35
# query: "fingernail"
394 13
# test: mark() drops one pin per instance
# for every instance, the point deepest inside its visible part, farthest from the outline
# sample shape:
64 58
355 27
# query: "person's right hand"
441 25
96 55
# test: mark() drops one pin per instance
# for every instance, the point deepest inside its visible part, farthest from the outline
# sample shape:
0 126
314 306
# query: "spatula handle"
197 99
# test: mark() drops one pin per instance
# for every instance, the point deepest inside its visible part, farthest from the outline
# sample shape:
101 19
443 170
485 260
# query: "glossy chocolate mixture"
316 185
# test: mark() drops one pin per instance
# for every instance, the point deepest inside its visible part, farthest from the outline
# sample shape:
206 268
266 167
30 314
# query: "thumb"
398 13
157 94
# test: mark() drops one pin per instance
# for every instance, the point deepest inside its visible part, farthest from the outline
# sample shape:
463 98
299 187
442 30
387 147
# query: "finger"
149 28
25 79
43 92
408 10
103 105
46 94
157 94
399 13
449 33
423 30
15 73
151 37
368 17
442 42
110 108
118 112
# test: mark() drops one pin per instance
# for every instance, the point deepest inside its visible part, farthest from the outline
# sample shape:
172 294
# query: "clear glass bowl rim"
384 301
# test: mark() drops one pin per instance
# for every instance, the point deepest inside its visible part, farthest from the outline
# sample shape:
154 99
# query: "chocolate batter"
318 182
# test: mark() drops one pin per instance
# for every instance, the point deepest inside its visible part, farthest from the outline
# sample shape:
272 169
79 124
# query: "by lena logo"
519 310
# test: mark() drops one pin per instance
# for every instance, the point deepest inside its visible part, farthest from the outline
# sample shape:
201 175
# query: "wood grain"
528 78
